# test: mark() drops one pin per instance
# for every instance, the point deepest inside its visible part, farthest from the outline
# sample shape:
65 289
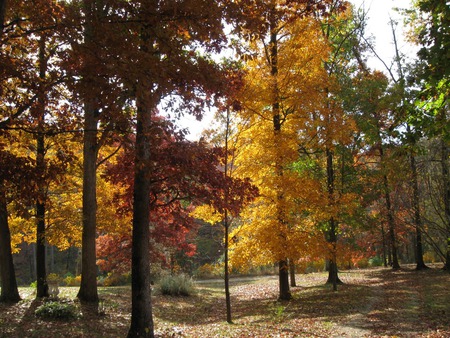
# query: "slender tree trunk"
227 273
292 273
88 288
383 243
420 264
9 292
390 216
41 274
283 271
446 192
226 223
3 7
332 236
141 307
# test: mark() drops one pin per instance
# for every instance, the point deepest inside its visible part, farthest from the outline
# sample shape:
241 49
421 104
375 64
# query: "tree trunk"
3 6
420 264
227 274
141 306
446 199
9 292
383 243
292 273
283 271
226 223
333 277
390 216
41 274
332 237
283 277
88 288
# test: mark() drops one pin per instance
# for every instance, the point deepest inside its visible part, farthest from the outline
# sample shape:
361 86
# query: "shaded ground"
372 303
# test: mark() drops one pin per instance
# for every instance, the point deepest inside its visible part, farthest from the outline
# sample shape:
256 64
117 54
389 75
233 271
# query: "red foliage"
182 174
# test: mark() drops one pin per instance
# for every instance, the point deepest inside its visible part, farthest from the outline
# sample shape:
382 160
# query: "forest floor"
372 303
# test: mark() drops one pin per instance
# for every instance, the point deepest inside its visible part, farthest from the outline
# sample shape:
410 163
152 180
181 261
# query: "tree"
429 20
277 97
162 42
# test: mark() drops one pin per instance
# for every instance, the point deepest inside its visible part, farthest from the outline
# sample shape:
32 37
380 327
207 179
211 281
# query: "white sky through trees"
379 13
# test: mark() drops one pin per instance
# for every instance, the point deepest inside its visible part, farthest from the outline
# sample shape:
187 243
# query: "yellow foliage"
207 214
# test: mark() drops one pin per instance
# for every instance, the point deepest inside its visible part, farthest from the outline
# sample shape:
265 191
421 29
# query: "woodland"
315 162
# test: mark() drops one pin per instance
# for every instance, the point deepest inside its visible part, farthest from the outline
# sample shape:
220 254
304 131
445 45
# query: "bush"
70 280
376 261
56 310
114 279
178 285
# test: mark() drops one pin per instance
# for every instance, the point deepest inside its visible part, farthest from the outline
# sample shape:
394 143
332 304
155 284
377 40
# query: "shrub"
178 285
362 263
114 279
376 261
56 310
53 277
72 281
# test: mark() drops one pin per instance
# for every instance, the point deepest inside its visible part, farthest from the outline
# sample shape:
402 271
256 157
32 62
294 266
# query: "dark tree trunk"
292 273
41 274
283 277
333 277
420 264
9 292
332 236
88 287
446 199
283 269
226 223
3 6
390 216
227 273
391 225
384 246
141 307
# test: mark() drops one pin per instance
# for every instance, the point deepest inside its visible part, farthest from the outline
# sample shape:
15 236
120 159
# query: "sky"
379 14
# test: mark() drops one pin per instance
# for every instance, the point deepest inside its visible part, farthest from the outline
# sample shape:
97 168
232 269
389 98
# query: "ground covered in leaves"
371 303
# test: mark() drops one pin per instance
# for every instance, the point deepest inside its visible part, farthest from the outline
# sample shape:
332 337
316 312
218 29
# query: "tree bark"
420 264
446 199
9 292
226 223
332 236
227 273
3 7
390 216
283 277
283 271
141 306
88 287
292 273
41 273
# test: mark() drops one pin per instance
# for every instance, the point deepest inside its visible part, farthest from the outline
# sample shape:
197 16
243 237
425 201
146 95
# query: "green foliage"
376 261
57 310
33 285
177 285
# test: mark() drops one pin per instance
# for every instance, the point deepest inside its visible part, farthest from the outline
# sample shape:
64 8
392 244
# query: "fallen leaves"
372 303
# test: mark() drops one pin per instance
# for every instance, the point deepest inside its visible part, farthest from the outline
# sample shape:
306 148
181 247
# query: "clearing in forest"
372 303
